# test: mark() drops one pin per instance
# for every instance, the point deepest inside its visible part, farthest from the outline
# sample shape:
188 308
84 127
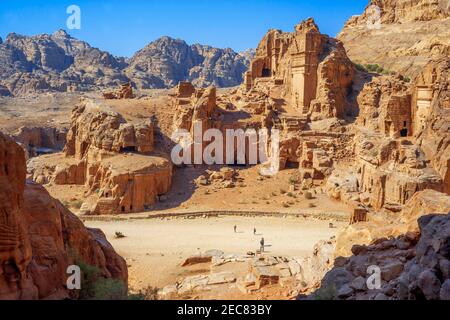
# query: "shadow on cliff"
359 81
411 266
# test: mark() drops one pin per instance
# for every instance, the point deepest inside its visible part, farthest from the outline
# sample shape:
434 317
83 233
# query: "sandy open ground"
155 248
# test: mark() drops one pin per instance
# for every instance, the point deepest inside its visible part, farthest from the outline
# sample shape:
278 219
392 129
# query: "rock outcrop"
401 36
431 109
40 238
312 68
100 132
113 159
411 267
299 83
40 140
124 92
382 225
56 62
400 129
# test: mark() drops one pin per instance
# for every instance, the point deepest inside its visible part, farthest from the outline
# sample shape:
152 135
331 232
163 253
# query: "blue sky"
125 26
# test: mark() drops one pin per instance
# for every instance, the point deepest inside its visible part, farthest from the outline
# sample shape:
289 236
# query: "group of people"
261 242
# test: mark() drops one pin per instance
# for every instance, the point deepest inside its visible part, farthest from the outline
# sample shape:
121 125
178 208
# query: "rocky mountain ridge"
59 62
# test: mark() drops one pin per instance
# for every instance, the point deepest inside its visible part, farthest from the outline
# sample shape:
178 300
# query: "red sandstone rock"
96 130
40 238
124 92
411 267
112 158
313 69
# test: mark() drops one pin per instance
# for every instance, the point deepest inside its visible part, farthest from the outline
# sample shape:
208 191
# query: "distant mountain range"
59 62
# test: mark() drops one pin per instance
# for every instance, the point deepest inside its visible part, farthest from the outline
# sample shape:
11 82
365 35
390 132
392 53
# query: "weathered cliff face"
392 171
412 266
124 184
193 105
431 109
15 247
401 36
312 68
39 140
96 133
40 238
403 222
112 158
56 62
400 130
402 11
385 99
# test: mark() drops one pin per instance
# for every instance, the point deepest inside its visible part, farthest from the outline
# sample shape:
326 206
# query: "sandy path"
154 248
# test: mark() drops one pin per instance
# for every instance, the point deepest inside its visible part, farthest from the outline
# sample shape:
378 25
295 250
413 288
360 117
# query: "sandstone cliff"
432 99
399 35
114 159
401 140
412 267
40 238
312 69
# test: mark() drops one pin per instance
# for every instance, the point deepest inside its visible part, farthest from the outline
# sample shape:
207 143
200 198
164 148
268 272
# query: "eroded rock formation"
312 68
124 92
403 222
299 83
431 110
40 238
166 61
413 267
399 35
39 140
101 132
112 158
401 129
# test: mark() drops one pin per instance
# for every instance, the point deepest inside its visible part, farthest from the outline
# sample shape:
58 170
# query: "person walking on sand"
262 245
235 228
254 231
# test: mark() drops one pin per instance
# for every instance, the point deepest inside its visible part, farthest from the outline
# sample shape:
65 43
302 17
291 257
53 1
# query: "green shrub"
308 195
360 67
149 293
326 293
94 286
76 204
